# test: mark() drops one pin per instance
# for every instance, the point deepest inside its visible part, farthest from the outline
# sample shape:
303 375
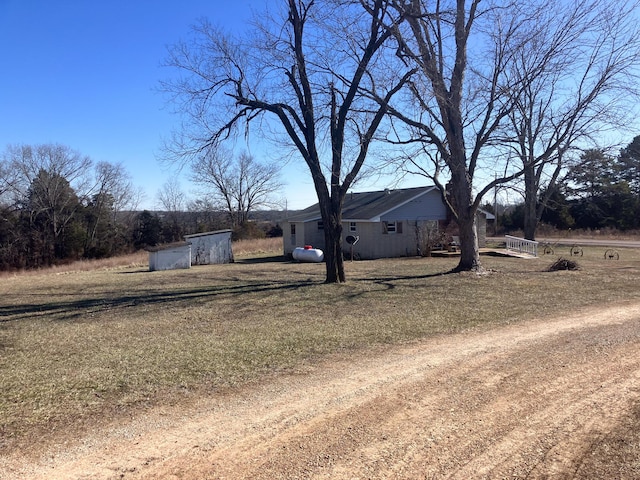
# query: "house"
388 223
210 247
170 257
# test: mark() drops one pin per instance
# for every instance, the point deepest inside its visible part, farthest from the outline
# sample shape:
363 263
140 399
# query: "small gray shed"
172 256
210 247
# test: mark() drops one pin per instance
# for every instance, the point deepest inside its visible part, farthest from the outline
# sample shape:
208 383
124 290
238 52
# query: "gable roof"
365 206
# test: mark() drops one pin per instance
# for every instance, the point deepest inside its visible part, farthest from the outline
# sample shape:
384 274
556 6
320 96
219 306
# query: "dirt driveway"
553 398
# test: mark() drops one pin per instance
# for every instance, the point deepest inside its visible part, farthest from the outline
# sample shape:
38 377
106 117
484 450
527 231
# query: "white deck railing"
521 245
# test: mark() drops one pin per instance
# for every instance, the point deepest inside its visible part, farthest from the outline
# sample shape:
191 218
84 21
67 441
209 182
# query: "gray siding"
211 248
426 207
313 236
172 258
307 233
481 228
374 243
291 241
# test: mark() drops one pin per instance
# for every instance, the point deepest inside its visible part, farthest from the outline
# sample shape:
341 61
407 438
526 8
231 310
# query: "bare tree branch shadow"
67 310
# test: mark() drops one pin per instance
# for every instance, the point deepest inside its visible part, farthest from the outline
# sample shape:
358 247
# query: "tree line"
57 205
597 191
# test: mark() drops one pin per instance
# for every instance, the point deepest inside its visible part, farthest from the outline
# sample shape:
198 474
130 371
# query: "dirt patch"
557 398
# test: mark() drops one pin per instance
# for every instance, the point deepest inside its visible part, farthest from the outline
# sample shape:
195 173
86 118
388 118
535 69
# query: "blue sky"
85 73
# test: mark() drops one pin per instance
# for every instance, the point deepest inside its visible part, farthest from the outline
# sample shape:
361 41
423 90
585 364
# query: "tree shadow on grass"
254 260
75 309
69 310
389 282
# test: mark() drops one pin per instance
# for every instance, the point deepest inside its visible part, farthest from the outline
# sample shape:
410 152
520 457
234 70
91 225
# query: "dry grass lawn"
77 345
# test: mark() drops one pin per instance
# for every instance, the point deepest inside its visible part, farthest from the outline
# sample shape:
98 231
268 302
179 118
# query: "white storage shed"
172 256
210 247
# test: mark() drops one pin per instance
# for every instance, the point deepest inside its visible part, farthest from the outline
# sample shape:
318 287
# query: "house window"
352 226
391 227
293 229
320 225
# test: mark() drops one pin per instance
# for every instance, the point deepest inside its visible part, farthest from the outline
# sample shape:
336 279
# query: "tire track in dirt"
522 400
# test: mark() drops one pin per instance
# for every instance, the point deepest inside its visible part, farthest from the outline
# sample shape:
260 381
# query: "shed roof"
167 246
206 234
365 205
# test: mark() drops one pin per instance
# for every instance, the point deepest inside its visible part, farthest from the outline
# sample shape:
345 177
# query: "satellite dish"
351 240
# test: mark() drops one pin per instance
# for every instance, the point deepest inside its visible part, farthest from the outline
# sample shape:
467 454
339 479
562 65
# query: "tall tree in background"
112 192
171 196
577 74
147 231
26 162
173 202
476 62
238 185
600 195
6 181
8 218
303 73
45 181
52 207
629 165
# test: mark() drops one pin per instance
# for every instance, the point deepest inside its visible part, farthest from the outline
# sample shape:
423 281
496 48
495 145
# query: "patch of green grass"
82 344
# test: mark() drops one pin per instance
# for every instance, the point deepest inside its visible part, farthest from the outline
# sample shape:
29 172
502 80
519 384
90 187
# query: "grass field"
80 344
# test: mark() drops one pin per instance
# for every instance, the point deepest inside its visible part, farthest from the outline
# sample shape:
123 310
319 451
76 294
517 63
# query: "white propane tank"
308 254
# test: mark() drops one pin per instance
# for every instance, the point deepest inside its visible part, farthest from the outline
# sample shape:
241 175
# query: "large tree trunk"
331 210
333 258
469 250
461 200
530 203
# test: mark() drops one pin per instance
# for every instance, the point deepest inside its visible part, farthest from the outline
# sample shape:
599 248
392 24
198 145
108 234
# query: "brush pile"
563 264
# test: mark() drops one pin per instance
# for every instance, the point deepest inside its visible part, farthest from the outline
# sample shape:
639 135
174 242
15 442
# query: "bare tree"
115 180
455 105
44 183
43 175
171 196
25 162
304 72
5 181
111 193
238 185
577 75
173 201
469 54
